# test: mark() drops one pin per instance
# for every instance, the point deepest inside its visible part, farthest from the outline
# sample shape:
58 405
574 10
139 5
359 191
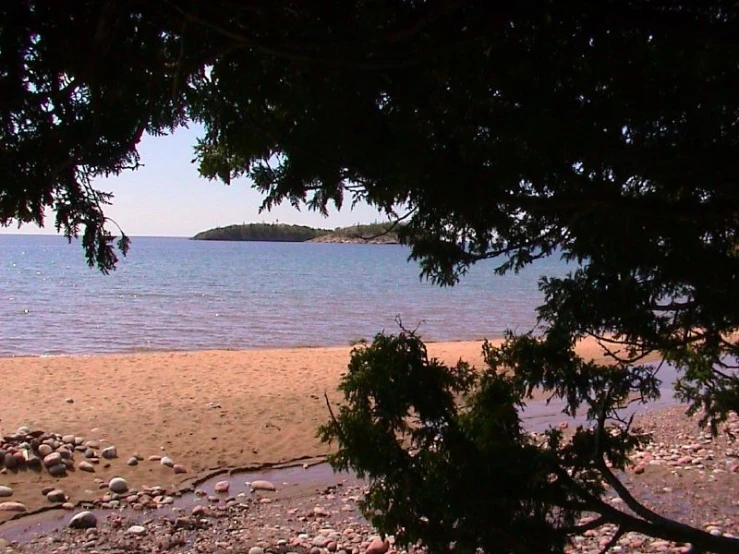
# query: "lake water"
178 294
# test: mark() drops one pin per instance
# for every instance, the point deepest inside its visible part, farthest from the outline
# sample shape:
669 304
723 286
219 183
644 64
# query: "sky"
167 197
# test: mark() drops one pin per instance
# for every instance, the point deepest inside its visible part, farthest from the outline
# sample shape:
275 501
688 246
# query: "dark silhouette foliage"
603 131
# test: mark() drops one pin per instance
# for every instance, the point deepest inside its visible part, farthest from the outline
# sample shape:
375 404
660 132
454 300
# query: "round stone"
179 468
10 461
83 520
12 507
57 495
44 450
86 466
167 461
52 459
133 461
262 486
256 550
136 530
222 486
110 452
118 485
34 462
58 470
5 491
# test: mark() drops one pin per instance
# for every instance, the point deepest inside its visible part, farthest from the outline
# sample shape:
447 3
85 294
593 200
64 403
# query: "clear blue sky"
167 197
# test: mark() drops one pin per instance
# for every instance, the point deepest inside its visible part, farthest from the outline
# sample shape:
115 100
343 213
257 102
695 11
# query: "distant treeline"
379 233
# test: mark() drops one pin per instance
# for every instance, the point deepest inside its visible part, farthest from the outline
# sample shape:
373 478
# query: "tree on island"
604 132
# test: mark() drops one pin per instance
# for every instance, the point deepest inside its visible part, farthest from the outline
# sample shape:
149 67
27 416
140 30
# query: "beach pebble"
83 520
69 400
200 510
320 541
110 452
118 485
179 468
84 465
52 459
69 439
133 461
5 491
44 450
10 461
222 486
378 546
166 461
256 550
136 530
154 458
56 495
57 470
262 486
12 507
34 462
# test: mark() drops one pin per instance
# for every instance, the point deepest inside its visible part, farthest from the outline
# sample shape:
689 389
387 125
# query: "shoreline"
204 410
145 351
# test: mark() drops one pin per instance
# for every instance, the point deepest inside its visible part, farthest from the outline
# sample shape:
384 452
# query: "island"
372 233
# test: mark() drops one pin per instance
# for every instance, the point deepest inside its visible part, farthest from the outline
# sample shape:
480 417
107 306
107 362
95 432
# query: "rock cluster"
55 453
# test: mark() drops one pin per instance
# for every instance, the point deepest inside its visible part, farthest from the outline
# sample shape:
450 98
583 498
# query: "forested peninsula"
373 233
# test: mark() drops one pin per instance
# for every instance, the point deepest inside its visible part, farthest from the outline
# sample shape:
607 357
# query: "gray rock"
136 530
34 462
256 550
69 439
5 491
320 541
133 461
58 470
110 452
222 486
167 461
44 450
179 468
83 520
118 485
12 507
56 495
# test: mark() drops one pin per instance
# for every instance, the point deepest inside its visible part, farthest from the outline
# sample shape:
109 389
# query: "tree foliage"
272 232
604 131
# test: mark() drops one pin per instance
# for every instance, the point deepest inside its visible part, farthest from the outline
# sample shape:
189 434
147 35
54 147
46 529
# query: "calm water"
177 294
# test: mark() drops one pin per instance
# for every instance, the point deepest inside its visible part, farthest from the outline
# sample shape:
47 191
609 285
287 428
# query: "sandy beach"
204 410
211 410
